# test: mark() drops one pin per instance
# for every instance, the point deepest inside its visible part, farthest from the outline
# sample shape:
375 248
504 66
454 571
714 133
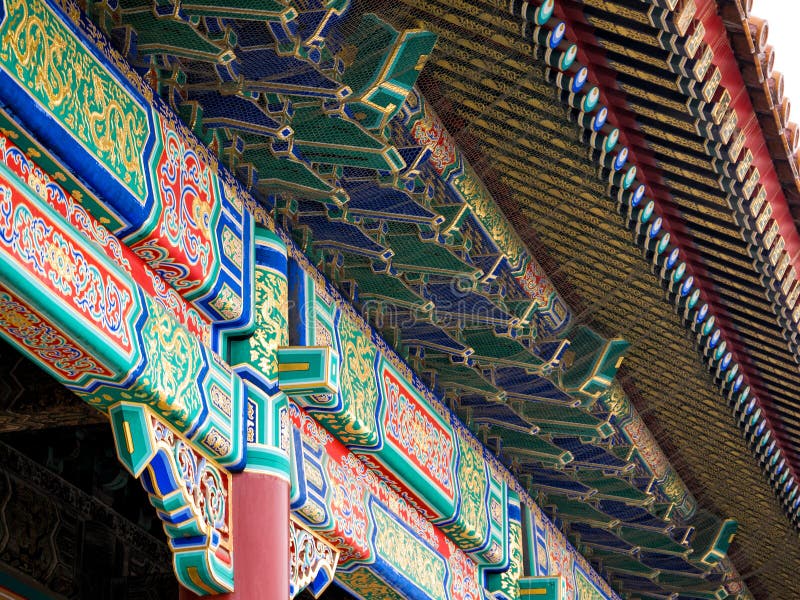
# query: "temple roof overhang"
606 131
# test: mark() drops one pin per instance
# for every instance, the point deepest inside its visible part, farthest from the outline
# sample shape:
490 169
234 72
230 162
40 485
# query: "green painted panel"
460 377
585 589
563 420
527 447
613 488
573 510
185 384
328 140
492 348
169 35
623 563
356 422
652 540
260 350
385 69
44 56
472 526
385 288
56 169
277 175
596 364
712 540
413 255
504 584
256 10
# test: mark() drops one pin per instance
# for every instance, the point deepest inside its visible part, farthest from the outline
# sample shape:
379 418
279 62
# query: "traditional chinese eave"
709 247
756 58
639 87
630 81
364 177
632 97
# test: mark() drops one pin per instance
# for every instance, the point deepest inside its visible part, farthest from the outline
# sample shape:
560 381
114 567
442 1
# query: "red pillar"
260 540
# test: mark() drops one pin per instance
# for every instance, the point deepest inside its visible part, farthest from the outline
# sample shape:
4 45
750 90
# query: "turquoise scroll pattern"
385 543
54 66
255 359
69 305
388 418
163 188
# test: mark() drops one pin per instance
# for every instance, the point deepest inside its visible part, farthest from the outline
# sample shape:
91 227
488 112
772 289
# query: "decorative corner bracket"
191 495
312 561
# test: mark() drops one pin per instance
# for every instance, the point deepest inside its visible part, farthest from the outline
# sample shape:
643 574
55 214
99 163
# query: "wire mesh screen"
309 104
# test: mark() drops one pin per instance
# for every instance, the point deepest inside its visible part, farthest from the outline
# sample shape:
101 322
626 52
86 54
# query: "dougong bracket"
191 495
312 561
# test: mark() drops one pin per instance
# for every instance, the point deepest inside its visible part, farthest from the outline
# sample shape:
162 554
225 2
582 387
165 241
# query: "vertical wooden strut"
260 541
261 492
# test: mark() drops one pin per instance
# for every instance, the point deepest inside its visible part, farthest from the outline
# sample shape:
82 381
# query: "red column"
260 540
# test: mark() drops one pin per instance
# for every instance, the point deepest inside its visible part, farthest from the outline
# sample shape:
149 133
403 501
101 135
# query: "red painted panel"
260 539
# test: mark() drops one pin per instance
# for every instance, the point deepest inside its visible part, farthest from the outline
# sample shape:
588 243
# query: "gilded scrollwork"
507 580
488 213
585 589
45 57
271 332
170 357
312 560
472 528
41 338
172 354
616 401
358 387
227 303
368 585
410 556
232 246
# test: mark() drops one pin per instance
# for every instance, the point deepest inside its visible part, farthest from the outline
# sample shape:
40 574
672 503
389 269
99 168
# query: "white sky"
784 26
